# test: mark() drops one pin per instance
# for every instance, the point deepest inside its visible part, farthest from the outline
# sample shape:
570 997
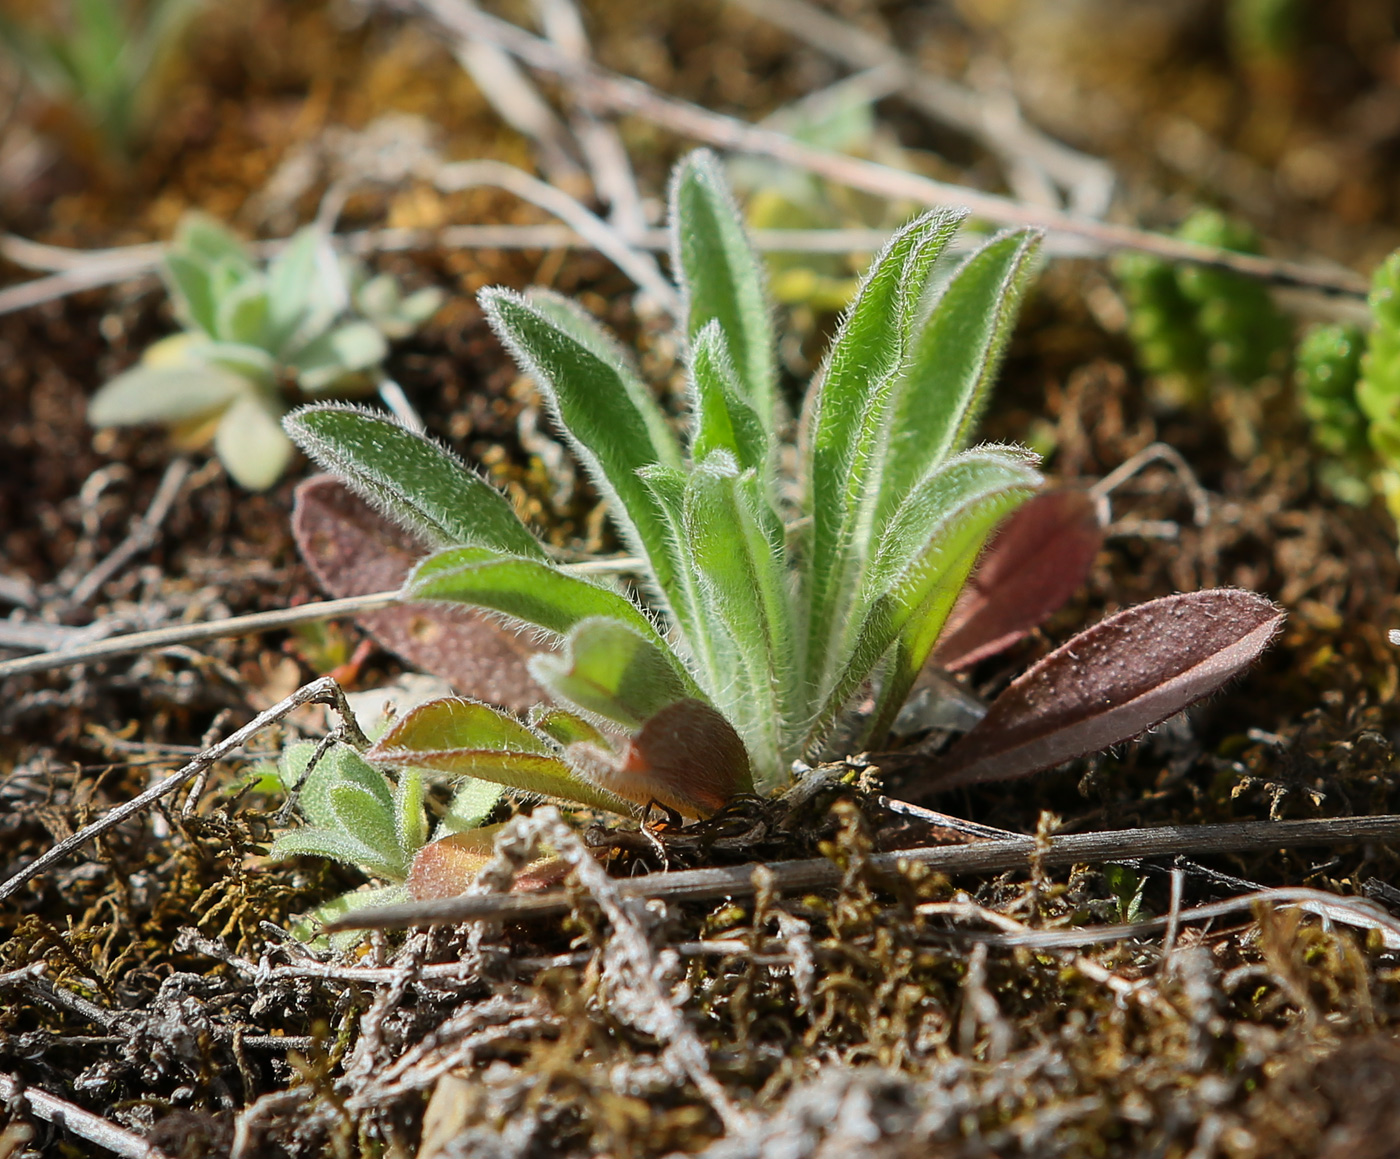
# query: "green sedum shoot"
1194 326
769 605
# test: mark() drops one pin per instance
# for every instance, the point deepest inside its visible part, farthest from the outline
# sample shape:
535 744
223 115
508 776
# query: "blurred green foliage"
1193 325
101 57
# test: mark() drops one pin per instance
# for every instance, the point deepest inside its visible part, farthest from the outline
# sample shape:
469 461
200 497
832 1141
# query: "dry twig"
141 536
82 1123
705 885
1088 180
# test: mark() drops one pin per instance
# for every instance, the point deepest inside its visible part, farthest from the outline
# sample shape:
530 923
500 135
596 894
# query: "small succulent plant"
778 616
1191 324
1378 391
1327 368
308 322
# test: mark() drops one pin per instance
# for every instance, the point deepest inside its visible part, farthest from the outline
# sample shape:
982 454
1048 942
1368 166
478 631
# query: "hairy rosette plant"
767 606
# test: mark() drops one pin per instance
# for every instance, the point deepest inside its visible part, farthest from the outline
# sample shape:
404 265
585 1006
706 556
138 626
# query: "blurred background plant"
100 58
813 286
1194 327
1327 366
310 322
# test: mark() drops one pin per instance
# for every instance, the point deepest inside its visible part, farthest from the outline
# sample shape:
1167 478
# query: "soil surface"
907 1014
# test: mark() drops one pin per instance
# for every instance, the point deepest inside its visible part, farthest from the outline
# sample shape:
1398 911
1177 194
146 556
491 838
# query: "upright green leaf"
191 292
613 670
919 568
723 279
953 362
687 604
290 278
990 483
847 423
737 544
720 418
417 483
573 320
241 315
206 240
611 425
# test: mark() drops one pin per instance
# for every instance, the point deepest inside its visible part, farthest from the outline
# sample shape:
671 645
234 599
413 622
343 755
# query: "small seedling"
761 633
1127 886
784 616
308 322
358 816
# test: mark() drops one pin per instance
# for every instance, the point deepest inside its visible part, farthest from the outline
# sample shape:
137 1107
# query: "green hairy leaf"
722 420
411 479
613 426
953 361
471 804
613 670
472 739
847 424
918 570
736 542
527 590
355 815
723 280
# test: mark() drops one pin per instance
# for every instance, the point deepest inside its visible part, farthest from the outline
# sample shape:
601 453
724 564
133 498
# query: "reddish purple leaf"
353 550
1038 560
687 757
1111 683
